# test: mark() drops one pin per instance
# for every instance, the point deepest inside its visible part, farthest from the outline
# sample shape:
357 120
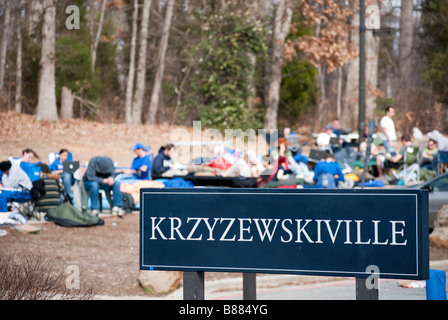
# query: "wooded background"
229 63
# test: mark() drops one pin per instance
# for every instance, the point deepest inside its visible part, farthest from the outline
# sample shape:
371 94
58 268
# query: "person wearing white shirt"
15 178
387 126
16 183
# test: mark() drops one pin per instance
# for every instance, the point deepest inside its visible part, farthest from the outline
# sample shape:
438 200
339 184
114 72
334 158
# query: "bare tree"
406 39
98 34
131 72
137 103
67 100
34 16
46 106
282 21
4 43
405 46
18 98
157 87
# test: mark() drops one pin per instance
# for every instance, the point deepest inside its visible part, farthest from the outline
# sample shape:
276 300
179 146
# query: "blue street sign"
307 232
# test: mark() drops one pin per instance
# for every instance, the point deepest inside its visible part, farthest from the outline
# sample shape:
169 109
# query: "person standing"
387 126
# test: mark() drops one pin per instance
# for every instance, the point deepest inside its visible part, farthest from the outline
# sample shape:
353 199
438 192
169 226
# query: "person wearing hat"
141 165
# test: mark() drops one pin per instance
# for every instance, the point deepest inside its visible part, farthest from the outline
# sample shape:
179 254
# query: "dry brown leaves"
84 138
330 46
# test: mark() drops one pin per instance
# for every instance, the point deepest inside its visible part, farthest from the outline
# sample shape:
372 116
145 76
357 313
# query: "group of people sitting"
385 161
17 182
282 164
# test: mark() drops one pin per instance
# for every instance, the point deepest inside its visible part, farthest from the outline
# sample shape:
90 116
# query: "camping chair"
411 166
29 208
53 156
15 160
81 197
442 162
31 169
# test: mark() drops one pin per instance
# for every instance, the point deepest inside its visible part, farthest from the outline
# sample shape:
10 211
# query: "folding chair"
53 156
29 208
442 162
31 169
411 166
81 197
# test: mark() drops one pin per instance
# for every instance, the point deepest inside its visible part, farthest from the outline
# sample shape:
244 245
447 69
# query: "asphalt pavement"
333 290
294 287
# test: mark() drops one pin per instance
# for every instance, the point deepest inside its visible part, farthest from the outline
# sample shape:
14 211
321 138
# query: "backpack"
38 189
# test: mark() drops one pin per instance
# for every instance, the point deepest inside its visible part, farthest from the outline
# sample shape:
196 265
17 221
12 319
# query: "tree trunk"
18 99
406 40
98 34
131 73
283 16
157 87
34 17
372 61
137 104
4 44
67 99
350 108
252 59
339 93
46 106
405 63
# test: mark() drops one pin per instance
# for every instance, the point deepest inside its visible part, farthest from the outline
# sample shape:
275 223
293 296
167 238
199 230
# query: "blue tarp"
176 183
436 285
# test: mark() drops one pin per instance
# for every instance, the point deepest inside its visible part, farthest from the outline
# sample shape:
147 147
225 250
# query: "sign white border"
284 271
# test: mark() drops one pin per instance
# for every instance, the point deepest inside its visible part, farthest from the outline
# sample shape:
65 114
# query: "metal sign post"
194 286
364 293
249 286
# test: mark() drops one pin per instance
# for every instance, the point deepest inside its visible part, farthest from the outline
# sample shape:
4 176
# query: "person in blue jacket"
163 162
328 173
58 167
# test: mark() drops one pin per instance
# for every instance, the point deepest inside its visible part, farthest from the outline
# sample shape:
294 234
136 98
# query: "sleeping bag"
66 215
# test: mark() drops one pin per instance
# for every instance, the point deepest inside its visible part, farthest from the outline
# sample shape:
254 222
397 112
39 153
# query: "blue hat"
140 146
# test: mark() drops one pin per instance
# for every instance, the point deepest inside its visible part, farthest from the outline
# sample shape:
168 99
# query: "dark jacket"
99 168
161 164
